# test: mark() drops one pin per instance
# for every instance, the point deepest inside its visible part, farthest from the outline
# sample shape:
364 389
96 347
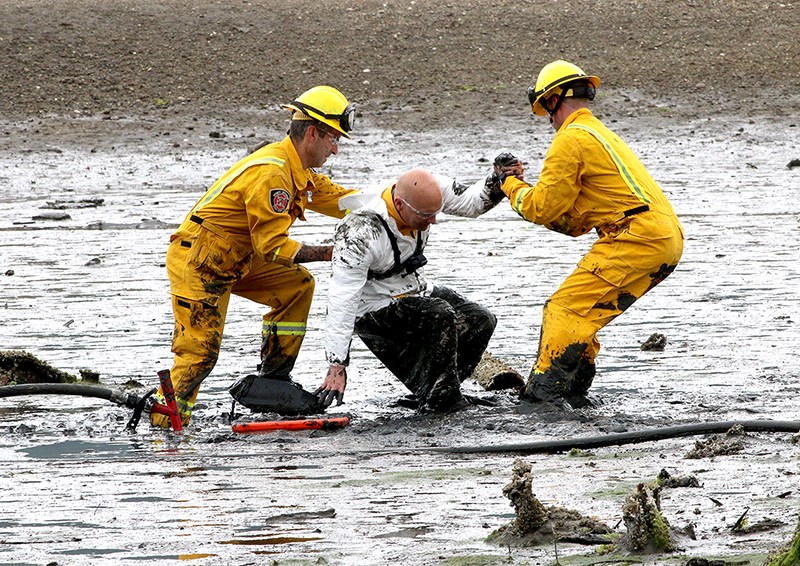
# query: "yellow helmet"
551 77
327 105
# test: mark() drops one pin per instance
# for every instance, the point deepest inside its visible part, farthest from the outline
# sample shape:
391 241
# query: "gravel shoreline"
416 64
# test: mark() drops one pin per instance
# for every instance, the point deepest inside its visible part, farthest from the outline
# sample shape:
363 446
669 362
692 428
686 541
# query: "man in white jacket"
429 337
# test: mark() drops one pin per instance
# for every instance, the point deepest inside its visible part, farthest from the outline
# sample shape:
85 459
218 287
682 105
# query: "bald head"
420 189
418 198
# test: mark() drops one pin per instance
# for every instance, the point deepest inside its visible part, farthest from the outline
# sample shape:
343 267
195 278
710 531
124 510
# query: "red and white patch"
279 199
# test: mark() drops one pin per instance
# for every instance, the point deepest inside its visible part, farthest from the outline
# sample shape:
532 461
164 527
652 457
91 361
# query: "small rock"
665 479
492 374
89 376
647 529
714 447
655 343
793 163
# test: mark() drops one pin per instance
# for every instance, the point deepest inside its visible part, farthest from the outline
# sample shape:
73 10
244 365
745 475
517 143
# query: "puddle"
76 448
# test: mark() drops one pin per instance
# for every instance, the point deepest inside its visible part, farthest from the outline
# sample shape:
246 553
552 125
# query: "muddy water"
90 291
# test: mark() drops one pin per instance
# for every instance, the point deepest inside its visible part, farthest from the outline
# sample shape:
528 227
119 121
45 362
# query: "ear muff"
582 91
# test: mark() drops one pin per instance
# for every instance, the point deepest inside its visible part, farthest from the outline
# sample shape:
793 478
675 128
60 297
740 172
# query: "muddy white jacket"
364 257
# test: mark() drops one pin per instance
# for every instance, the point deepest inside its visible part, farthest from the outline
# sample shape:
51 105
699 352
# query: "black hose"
96 391
539 447
647 435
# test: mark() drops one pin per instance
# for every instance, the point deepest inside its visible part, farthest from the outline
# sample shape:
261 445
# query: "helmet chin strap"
561 96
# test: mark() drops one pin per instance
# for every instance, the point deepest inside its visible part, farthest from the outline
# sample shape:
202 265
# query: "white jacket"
361 244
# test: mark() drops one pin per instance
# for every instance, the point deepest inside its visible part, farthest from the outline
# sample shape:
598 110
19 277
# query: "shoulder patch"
279 200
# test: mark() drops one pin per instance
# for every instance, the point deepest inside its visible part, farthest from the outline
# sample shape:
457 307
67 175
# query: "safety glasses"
423 215
330 136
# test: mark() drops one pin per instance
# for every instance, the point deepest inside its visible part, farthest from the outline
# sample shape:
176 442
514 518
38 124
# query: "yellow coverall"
591 179
235 240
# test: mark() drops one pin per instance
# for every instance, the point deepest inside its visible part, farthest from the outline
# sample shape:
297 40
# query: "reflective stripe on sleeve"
517 204
218 187
615 157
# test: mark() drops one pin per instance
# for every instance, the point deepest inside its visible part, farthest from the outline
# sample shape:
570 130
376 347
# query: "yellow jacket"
258 199
589 179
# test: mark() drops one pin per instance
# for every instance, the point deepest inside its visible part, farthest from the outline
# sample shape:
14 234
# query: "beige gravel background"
412 64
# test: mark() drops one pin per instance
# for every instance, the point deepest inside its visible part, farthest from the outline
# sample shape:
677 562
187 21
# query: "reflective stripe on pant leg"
289 291
280 345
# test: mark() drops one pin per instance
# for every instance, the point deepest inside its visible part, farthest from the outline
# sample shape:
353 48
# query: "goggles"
533 94
579 91
346 119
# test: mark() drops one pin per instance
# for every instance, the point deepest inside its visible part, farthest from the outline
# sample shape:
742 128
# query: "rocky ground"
414 64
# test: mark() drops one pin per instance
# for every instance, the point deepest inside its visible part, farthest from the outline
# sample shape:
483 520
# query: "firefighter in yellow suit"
235 240
590 179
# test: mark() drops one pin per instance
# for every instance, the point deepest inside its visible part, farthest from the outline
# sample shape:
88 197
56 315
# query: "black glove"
505 165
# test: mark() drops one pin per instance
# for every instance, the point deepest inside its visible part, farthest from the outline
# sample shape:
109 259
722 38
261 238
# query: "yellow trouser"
203 277
619 268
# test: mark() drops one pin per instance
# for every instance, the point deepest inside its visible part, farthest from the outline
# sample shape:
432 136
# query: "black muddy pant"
431 343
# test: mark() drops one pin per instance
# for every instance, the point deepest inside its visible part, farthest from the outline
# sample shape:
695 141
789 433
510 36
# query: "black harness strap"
410 265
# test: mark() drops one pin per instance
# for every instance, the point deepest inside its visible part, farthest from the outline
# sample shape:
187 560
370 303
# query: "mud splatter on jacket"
361 244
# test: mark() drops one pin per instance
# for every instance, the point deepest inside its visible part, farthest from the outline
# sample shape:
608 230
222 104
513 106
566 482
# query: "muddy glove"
505 165
333 387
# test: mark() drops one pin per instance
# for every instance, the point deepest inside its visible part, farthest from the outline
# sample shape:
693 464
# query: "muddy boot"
445 406
579 381
583 401
547 387
444 397
275 362
407 401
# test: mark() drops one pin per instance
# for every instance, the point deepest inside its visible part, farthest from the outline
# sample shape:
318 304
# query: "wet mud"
17 368
92 291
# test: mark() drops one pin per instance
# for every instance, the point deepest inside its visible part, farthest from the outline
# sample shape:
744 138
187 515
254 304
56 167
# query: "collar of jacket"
386 195
580 112
302 178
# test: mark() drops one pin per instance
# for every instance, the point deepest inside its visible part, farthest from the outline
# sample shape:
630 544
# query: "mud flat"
89 292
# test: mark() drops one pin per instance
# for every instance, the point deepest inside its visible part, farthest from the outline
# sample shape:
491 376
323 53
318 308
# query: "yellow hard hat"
327 105
552 76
